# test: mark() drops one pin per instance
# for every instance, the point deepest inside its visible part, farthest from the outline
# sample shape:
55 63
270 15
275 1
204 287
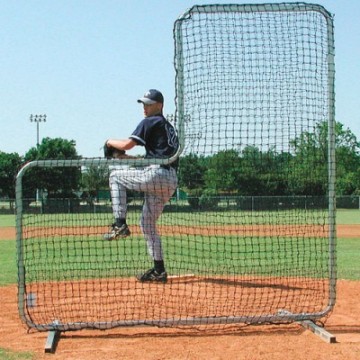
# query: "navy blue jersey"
157 135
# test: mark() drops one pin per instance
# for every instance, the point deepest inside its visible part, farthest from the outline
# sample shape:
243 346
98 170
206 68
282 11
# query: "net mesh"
247 236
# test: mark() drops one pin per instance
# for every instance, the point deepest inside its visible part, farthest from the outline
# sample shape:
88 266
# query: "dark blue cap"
152 97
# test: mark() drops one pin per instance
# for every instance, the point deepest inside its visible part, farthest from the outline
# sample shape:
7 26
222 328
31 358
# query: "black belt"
167 167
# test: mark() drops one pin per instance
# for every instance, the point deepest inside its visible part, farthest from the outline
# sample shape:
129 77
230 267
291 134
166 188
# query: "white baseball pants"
158 185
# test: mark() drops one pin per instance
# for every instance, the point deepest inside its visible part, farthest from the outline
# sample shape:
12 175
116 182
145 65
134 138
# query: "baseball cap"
152 96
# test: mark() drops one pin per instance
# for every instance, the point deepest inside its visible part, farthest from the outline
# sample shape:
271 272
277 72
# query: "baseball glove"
111 152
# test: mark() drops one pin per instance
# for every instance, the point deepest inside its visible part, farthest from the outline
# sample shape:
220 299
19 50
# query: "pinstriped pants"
158 185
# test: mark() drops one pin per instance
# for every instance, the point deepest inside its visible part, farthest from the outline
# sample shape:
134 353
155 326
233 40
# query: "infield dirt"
268 342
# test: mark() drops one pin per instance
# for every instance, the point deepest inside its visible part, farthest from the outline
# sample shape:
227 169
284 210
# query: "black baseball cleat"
152 275
117 232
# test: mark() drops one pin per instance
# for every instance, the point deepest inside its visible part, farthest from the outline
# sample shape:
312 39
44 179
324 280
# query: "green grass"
12 355
94 256
73 258
343 216
203 218
7 220
8 269
105 260
348 259
348 217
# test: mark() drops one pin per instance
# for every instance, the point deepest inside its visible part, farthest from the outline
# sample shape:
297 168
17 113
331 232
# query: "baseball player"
158 182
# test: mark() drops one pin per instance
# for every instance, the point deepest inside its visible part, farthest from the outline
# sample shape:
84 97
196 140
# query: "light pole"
37 119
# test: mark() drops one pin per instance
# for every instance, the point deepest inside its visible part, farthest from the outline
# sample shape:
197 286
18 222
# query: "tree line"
302 170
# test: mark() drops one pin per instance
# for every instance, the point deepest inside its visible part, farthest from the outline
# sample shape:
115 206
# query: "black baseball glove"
111 152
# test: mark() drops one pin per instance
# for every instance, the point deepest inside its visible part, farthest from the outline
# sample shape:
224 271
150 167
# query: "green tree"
249 172
301 171
347 161
273 173
9 166
191 177
222 175
309 169
59 181
191 172
95 178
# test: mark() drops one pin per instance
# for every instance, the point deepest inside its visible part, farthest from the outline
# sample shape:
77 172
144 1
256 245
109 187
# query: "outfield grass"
348 259
75 258
105 255
348 217
8 268
7 220
342 217
348 250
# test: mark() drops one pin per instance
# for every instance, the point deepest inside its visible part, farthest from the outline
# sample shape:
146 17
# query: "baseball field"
232 342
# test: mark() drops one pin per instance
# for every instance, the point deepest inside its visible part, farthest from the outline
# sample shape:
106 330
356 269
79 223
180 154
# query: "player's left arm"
125 144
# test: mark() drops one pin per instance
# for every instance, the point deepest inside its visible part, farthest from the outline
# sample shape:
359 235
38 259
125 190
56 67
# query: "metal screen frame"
180 119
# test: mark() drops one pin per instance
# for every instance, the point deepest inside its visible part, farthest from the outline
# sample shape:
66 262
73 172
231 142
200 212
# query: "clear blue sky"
84 63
